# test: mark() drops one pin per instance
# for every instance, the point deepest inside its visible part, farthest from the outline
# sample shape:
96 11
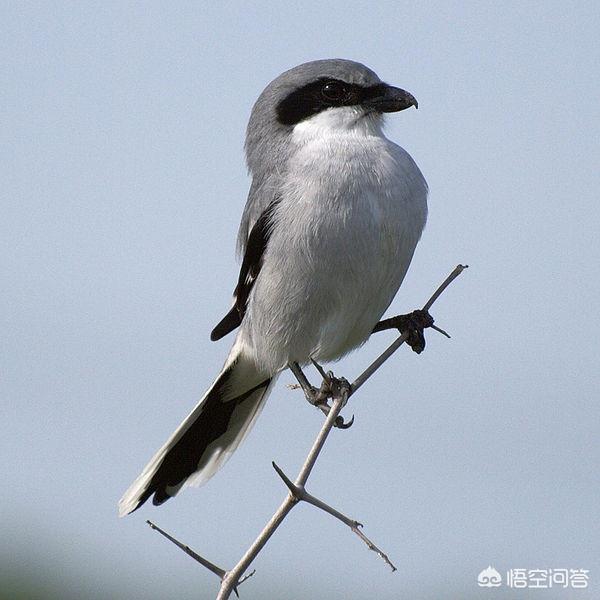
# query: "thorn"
294 489
245 577
436 328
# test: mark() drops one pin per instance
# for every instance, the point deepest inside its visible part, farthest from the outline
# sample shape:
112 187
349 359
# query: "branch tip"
374 548
200 559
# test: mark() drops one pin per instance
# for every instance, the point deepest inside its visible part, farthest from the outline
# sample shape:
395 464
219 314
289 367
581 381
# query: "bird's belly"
327 277
343 235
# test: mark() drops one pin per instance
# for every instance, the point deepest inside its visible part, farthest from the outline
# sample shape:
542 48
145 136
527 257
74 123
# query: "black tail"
207 437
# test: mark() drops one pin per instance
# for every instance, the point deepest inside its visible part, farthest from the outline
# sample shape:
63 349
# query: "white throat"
339 121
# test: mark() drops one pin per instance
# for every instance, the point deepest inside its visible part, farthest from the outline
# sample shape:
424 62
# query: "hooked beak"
390 99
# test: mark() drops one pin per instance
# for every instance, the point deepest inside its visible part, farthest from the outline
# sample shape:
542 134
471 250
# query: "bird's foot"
413 324
331 387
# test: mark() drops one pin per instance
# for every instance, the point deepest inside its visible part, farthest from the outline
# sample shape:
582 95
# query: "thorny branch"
340 392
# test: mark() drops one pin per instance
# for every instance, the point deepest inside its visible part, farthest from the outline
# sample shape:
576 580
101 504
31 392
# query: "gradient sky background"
123 183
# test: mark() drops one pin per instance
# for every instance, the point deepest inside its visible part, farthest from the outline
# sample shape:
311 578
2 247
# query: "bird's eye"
333 91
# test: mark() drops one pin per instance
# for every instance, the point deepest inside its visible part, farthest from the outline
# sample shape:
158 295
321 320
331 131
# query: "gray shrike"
334 214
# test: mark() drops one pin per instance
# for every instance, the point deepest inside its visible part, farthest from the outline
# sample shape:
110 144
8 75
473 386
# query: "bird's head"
336 93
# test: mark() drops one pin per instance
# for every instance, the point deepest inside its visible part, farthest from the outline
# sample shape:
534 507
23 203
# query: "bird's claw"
413 324
341 424
331 387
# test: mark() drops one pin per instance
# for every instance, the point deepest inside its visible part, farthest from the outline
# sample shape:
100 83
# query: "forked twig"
301 495
231 579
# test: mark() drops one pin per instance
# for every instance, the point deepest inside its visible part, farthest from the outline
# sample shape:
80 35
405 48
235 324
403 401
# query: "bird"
333 216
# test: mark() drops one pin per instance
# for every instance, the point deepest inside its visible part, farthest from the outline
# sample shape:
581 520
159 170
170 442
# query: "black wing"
251 265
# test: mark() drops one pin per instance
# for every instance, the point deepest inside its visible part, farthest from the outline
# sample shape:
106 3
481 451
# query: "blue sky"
123 184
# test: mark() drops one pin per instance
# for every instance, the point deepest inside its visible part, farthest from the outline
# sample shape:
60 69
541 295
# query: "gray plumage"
333 216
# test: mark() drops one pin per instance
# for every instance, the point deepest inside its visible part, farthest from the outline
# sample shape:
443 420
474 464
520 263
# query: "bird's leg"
319 396
310 391
413 324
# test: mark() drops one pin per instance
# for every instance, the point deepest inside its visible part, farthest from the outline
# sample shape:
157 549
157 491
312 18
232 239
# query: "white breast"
352 210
